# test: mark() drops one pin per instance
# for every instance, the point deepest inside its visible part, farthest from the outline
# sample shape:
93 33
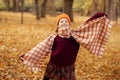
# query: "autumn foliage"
17 38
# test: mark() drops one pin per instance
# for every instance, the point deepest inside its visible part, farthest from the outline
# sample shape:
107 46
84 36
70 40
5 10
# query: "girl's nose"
64 24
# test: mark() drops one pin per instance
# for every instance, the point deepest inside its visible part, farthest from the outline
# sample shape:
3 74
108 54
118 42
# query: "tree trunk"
68 8
95 6
113 10
43 9
108 8
119 7
50 7
22 6
104 5
117 10
16 6
7 2
37 9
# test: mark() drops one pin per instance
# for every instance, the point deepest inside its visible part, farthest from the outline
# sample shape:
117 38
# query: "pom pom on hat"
63 16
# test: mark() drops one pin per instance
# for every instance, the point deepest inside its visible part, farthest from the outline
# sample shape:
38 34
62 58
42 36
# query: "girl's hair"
56 30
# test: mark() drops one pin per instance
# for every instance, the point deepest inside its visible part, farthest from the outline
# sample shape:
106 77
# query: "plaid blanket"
93 35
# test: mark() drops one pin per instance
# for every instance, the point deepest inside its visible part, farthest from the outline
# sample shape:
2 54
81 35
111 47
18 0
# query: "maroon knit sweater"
64 51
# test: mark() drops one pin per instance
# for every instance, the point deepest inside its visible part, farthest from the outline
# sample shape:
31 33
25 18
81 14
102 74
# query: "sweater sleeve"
93 35
35 58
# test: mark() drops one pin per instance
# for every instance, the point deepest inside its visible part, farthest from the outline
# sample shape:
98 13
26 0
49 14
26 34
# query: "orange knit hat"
63 16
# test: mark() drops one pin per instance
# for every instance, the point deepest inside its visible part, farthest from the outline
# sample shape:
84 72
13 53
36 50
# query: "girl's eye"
61 21
66 21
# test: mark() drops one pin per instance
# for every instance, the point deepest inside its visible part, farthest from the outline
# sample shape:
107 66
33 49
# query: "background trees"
37 9
111 7
68 8
16 39
43 8
52 7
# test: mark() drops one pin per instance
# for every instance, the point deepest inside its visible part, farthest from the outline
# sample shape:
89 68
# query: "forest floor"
17 38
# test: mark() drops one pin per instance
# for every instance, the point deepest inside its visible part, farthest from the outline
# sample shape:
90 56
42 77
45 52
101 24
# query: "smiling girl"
64 44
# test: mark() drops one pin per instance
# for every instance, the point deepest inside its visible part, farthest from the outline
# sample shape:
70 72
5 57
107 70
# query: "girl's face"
63 23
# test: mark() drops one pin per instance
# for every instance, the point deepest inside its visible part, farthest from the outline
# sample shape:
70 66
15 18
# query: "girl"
64 45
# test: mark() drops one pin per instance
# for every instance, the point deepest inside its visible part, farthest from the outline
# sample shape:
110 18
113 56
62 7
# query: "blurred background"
25 23
41 8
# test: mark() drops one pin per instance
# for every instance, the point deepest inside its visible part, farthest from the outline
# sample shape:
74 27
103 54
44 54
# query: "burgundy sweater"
64 51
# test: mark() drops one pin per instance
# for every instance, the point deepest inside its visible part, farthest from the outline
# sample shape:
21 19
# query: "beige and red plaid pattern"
36 57
92 35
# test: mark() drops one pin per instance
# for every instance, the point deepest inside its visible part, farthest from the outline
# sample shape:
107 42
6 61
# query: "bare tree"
22 6
95 2
103 5
68 8
37 9
7 2
114 10
119 7
50 7
43 8
111 7
16 5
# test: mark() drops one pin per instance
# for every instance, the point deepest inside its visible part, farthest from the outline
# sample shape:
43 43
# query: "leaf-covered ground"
17 38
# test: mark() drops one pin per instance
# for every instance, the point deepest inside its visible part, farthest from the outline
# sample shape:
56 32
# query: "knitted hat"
63 16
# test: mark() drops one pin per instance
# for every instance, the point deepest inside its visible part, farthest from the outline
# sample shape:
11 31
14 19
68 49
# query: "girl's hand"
21 57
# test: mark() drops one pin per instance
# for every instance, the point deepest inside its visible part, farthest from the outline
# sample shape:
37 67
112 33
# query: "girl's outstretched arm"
35 58
94 33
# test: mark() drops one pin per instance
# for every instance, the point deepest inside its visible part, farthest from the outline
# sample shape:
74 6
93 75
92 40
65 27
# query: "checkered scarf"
93 35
